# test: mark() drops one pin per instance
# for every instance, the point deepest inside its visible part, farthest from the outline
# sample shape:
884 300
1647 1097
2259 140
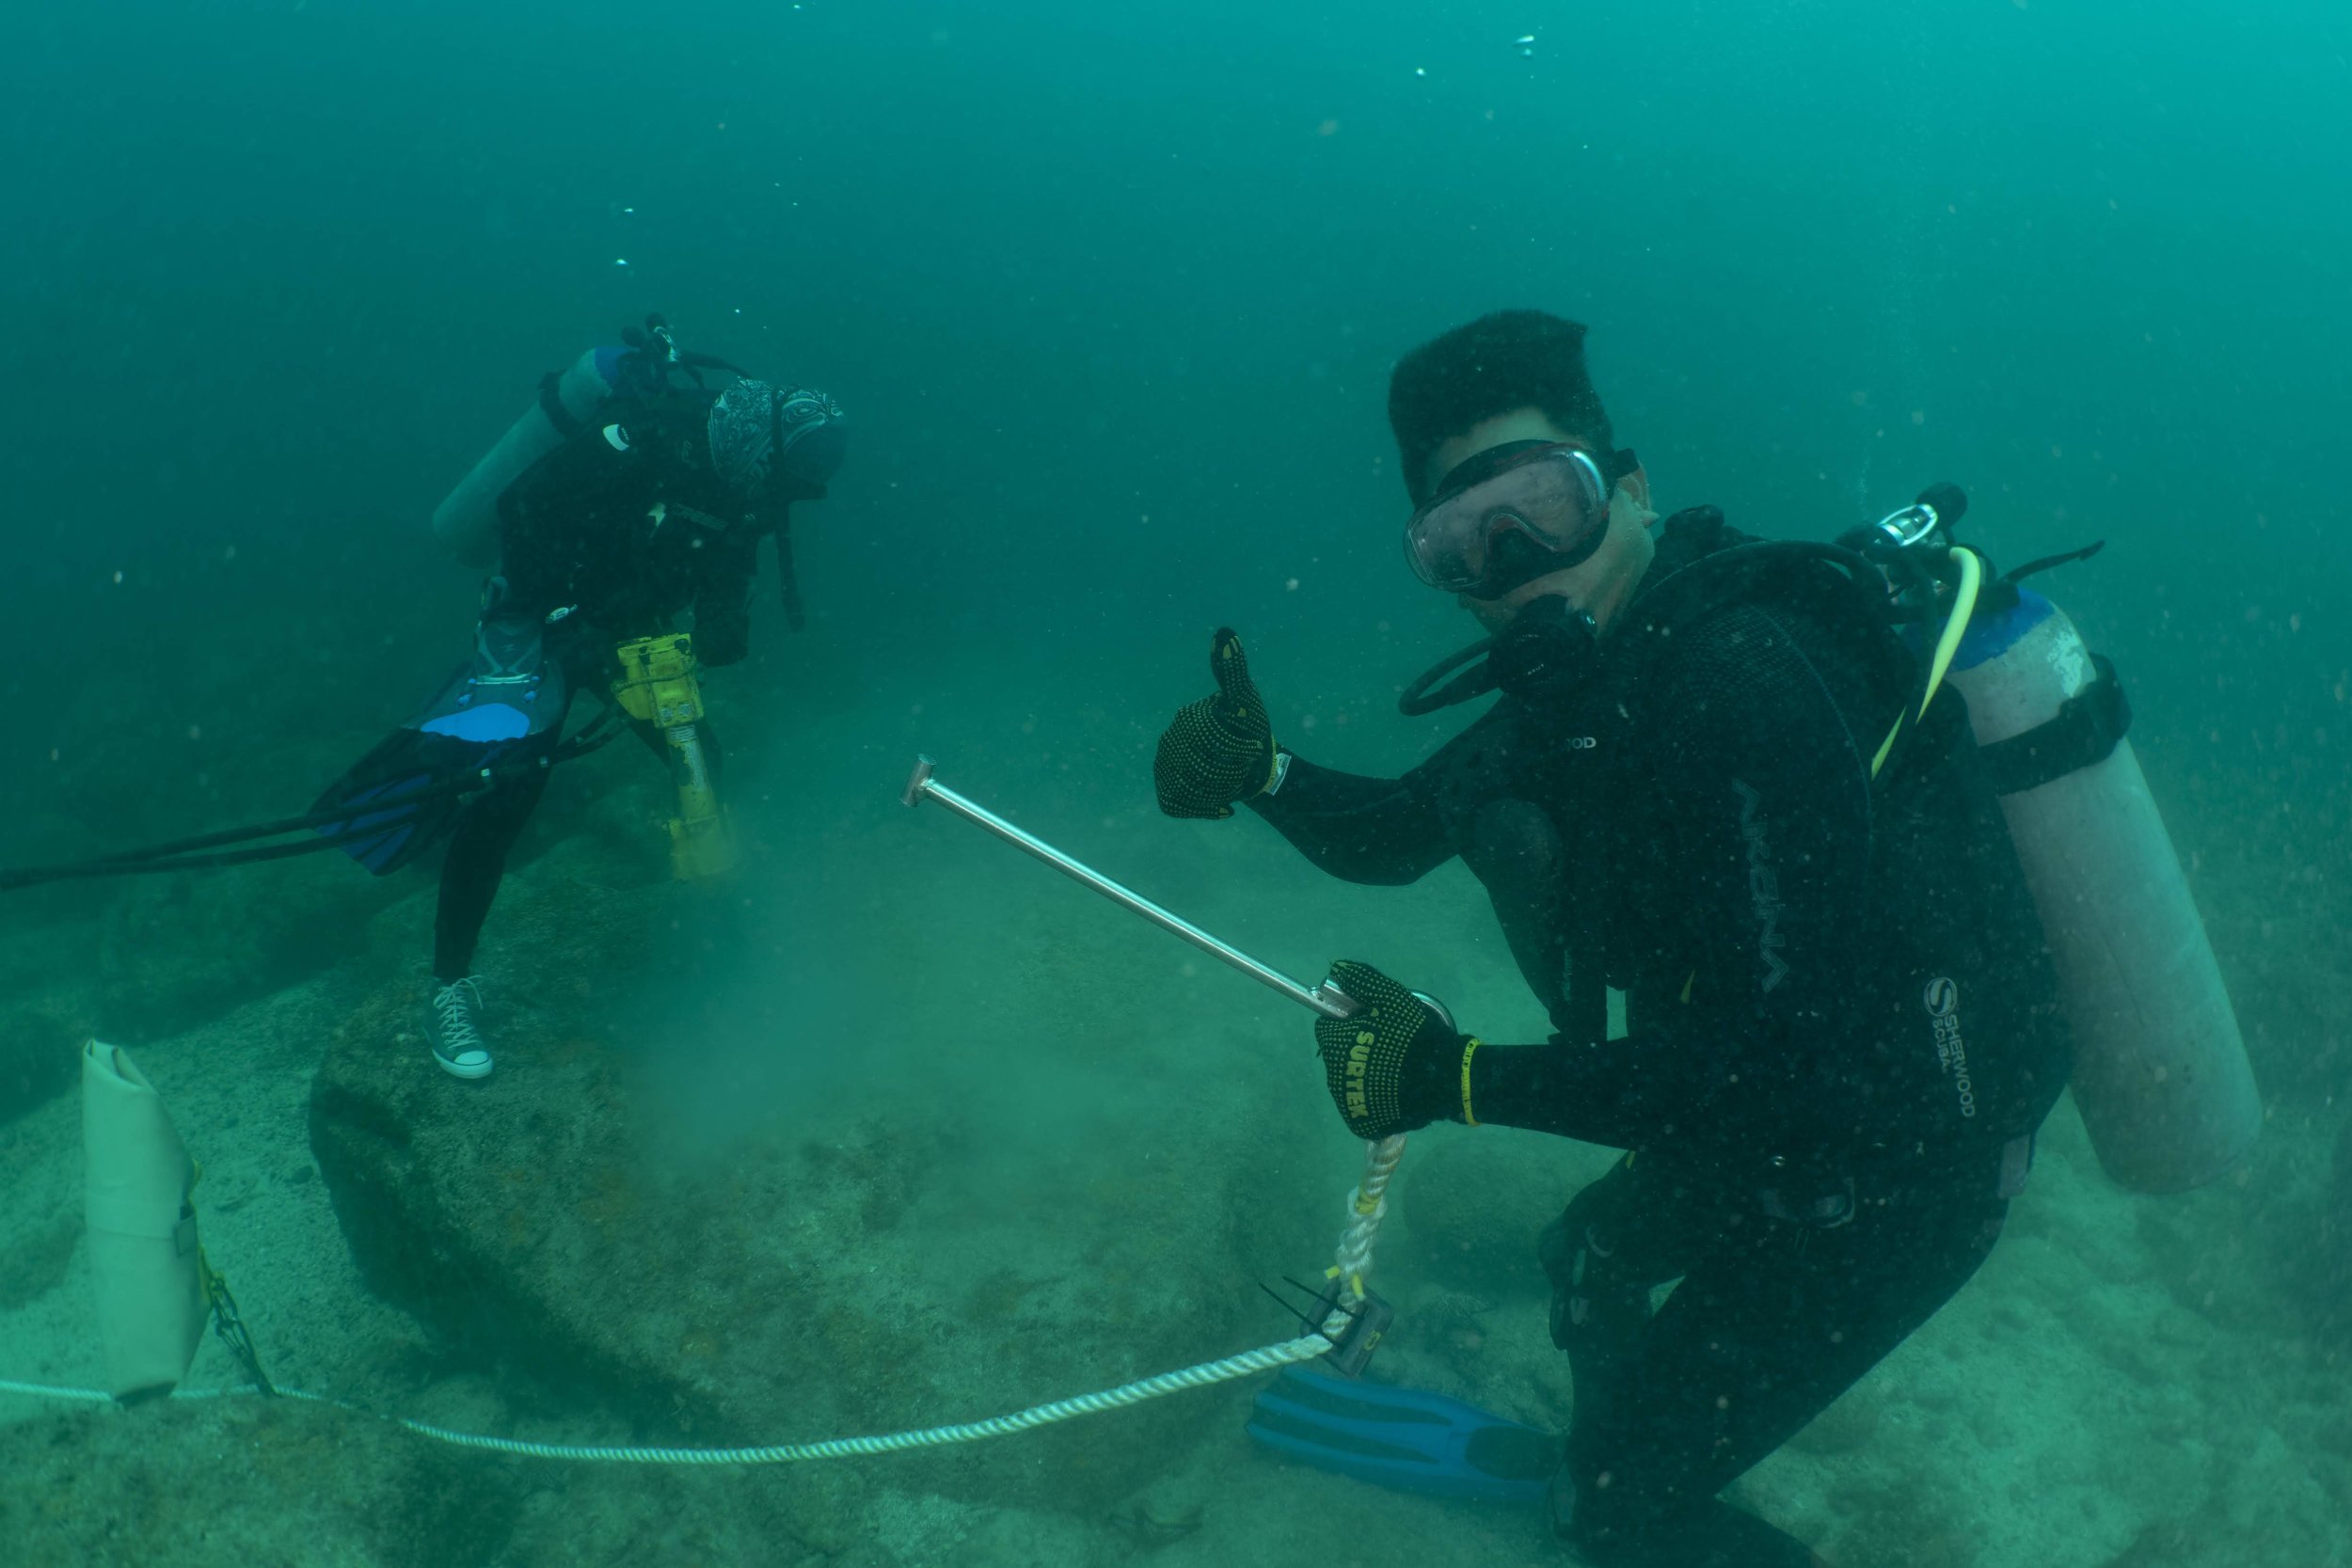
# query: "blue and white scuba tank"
2161 1075
466 521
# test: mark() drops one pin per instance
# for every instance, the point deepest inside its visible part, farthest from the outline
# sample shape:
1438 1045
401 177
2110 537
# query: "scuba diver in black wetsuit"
1704 784
651 500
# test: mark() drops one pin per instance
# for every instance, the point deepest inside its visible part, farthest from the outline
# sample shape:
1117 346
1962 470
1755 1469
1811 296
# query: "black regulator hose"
1417 699
179 855
187 854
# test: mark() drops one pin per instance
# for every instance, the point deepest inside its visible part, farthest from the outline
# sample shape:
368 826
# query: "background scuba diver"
1842 1023
652 505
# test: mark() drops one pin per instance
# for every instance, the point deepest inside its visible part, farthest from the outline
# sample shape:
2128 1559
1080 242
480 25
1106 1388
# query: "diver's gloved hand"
1220 749
1396 1064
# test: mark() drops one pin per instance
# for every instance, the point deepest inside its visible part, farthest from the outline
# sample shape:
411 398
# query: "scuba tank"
2161 1075
466 521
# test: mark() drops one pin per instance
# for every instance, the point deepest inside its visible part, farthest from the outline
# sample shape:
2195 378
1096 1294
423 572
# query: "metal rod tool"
1326 998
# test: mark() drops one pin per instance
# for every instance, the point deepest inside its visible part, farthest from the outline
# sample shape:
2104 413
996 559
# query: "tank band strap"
551 405
2087 728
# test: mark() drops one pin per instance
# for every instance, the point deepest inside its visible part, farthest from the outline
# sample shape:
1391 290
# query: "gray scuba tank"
466 521
2161 1075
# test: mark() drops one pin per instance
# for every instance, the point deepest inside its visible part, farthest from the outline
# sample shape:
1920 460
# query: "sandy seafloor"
2126 1384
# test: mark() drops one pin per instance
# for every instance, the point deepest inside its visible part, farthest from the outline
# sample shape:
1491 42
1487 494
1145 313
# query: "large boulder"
875 1275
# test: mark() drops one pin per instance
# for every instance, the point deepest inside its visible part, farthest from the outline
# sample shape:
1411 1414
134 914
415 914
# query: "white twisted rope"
1303 1349
1365 1207
43 1391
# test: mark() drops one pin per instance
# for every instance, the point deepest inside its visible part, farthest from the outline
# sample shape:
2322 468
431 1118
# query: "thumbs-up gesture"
1220 749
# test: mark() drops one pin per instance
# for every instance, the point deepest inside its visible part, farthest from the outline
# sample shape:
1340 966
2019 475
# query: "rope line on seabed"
1305 1348
1365 1209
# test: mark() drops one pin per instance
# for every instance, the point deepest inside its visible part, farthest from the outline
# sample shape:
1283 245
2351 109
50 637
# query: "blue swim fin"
387 830
1404 1438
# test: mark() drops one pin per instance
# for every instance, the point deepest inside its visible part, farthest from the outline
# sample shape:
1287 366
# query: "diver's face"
1597 585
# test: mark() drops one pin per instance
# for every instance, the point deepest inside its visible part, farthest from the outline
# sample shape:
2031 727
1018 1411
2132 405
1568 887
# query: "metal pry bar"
1326 998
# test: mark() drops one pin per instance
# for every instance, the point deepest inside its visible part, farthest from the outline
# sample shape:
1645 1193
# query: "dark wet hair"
1510 359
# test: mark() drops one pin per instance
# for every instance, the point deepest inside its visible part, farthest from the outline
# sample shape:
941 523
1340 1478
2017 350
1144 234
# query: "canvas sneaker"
452 1023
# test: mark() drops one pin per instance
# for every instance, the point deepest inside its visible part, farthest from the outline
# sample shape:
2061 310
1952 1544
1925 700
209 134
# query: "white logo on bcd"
1941 1000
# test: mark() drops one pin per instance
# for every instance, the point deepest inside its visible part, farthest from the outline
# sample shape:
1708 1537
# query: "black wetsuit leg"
486 833
1770 1322
476 865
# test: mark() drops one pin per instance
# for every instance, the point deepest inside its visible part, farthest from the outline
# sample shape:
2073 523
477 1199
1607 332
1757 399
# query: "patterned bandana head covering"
756 428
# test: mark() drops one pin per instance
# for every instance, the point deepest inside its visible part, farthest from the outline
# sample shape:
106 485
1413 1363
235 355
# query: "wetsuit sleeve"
722 597
1760 813
1384 832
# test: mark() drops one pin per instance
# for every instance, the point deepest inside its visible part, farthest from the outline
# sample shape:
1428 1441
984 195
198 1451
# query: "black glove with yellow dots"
1220 749
1396 1063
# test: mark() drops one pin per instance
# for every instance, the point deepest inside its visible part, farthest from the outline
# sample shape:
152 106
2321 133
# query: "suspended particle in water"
1525 45
620 260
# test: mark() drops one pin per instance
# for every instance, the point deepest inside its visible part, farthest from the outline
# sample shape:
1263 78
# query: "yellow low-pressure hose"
1956 625
1946 648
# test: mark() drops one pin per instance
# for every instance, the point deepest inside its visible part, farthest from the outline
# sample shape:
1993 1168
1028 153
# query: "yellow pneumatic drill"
657 686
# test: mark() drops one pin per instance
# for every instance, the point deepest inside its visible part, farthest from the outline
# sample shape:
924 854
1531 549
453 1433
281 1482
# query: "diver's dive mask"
1508 514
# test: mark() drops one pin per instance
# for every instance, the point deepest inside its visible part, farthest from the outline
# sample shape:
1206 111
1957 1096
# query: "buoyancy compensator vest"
1527 794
